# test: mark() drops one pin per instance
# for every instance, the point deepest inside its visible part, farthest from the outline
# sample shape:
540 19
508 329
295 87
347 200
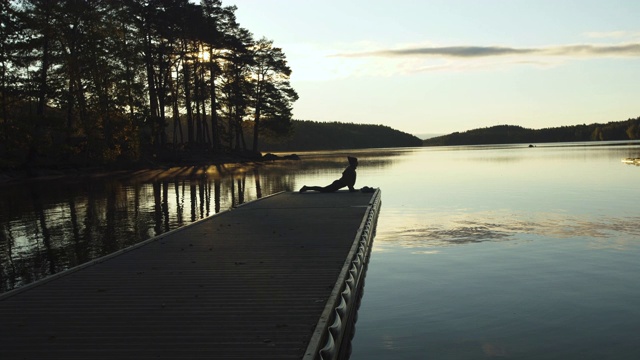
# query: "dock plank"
248 283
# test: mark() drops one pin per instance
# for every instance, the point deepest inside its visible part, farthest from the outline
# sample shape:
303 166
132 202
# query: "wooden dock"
277 278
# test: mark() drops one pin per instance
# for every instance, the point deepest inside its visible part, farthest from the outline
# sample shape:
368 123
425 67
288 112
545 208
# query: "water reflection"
48 226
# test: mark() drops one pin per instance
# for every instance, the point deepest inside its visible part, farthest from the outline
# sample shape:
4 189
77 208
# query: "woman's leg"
329 188
311 188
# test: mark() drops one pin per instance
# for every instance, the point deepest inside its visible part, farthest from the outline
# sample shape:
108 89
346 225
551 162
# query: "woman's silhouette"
348 179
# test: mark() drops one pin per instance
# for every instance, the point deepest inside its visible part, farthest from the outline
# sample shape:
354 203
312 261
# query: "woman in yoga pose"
348 179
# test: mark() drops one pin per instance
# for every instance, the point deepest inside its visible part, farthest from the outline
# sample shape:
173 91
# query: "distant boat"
632 161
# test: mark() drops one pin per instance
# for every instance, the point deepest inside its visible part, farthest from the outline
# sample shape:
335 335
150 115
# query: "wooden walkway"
277 278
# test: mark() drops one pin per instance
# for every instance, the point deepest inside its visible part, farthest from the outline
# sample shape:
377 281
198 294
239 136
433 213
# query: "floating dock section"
276 278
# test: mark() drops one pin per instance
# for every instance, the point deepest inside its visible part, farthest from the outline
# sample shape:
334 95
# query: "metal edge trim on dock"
104 258
327 337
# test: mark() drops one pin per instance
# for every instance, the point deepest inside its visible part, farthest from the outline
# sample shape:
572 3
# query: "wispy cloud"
578 51
613 35
372 60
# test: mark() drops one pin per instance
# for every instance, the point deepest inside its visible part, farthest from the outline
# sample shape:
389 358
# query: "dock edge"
340 313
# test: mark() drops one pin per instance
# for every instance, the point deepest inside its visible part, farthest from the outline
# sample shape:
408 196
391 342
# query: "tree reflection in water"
50 226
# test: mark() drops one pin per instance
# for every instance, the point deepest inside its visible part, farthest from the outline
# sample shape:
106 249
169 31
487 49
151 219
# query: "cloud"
627 50
366 59
612 35
578 51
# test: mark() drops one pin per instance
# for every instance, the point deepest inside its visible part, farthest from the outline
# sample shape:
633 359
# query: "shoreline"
44 173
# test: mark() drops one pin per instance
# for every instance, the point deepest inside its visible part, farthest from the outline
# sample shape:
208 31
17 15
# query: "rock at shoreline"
272 157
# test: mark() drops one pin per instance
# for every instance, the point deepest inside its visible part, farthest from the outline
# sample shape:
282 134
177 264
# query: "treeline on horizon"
312 135
511 134
99 82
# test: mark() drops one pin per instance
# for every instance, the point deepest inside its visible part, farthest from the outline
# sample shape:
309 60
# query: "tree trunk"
153 96
187 99
256 119
215 141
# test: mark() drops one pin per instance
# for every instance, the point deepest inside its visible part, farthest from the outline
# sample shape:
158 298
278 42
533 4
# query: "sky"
440 66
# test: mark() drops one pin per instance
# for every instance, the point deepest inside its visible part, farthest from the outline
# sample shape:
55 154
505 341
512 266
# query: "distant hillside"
510 134
427 136
312 135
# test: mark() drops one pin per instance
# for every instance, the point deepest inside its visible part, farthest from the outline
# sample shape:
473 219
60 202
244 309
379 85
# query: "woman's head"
352 161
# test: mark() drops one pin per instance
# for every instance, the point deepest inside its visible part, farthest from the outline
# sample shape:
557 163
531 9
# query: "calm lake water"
481 252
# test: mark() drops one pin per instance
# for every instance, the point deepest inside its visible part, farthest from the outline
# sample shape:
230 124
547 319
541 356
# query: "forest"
510 134
93 83
313 135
